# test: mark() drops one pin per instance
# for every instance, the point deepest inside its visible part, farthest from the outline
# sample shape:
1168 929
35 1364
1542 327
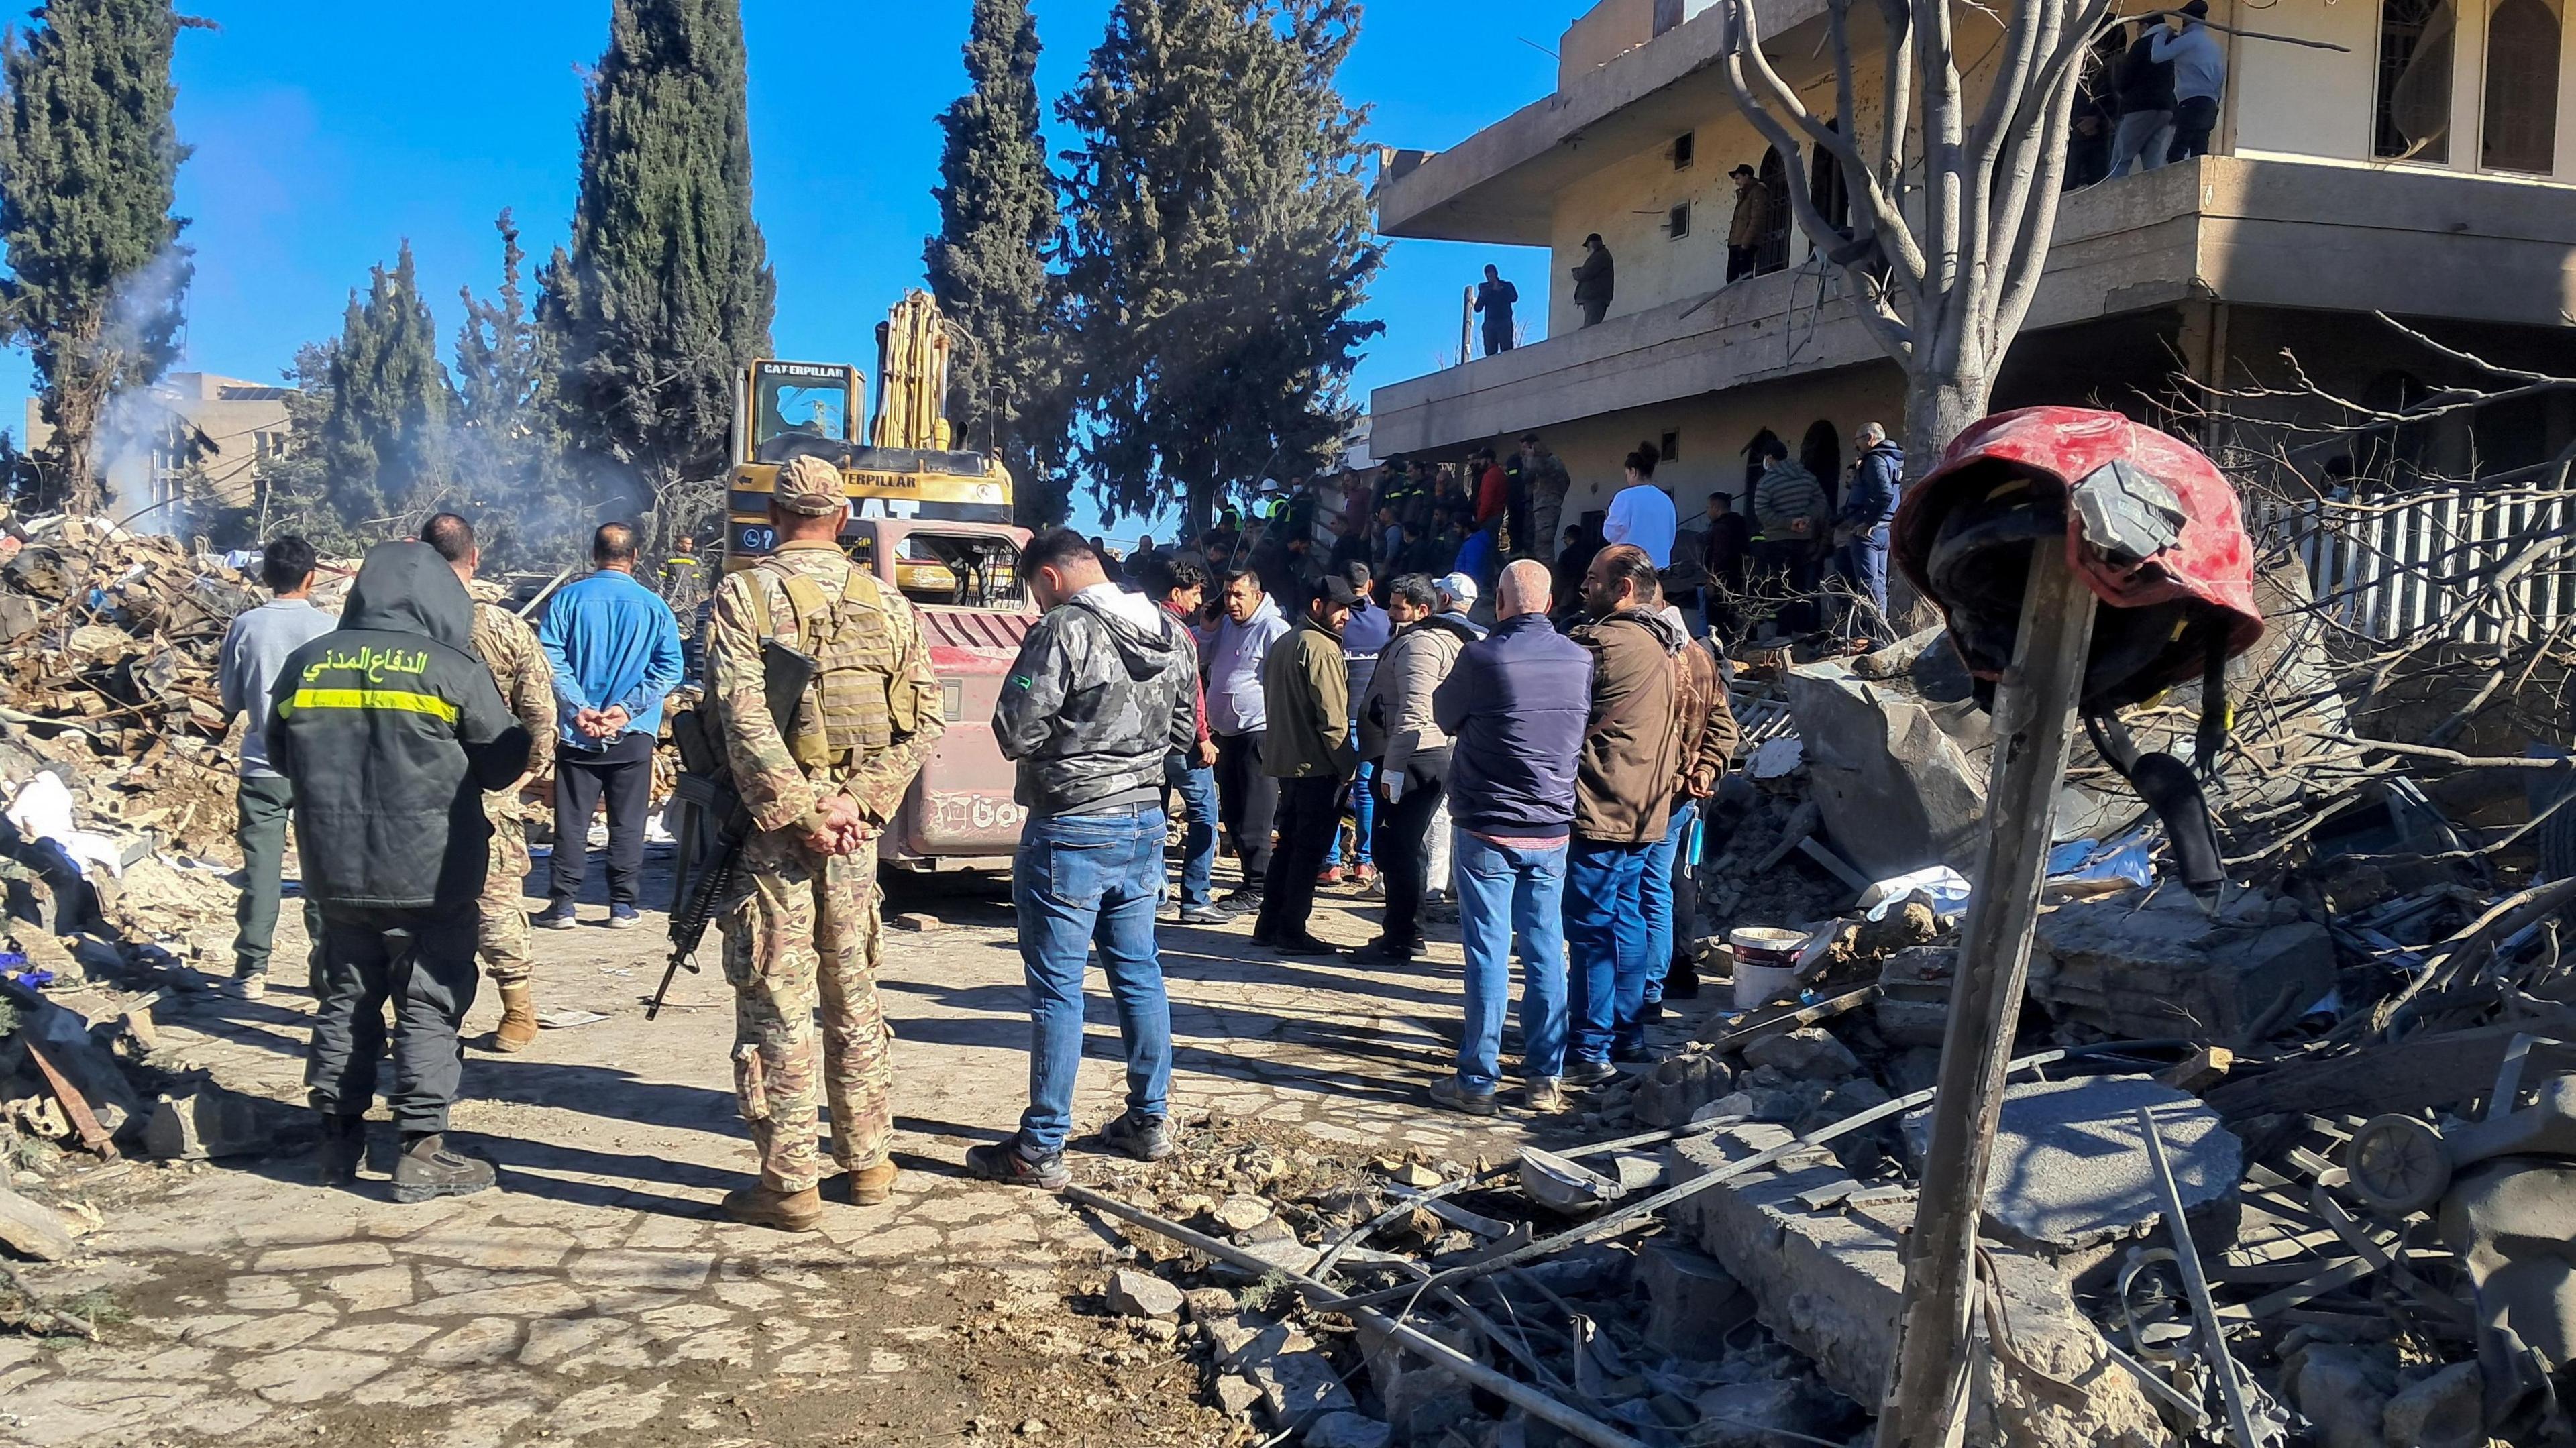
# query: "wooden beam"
2033 727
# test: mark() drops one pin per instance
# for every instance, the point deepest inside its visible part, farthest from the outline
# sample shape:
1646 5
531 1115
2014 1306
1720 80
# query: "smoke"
139 431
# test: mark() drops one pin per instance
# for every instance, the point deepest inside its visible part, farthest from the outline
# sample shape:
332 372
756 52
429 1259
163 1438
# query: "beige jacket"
1395 718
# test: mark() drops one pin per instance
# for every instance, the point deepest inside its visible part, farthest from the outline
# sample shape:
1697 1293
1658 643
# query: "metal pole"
2033 714
2196 1283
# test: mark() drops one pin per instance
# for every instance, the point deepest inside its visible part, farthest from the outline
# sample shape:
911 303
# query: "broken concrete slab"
1896 791
2440 1411
1298 1387
1348 1430
1142 1294
1668 1094
2069 1169
1913 1005
1692 1302
1830 1285
1810 1053
2165 968
32 1229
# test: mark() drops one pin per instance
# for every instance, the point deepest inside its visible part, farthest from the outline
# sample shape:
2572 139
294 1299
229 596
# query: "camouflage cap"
811 486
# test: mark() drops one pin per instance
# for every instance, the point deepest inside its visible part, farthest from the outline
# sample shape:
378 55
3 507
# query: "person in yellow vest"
801 927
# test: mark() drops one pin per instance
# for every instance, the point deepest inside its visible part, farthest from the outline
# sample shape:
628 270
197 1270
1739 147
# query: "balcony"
2269 232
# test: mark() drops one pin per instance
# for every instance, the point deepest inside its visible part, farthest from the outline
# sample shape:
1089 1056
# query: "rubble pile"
1644 1333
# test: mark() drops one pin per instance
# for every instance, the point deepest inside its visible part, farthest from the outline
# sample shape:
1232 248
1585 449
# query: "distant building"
2427 169
231 427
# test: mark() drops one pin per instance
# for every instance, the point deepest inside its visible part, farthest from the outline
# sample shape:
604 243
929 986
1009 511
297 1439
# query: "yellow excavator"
928 518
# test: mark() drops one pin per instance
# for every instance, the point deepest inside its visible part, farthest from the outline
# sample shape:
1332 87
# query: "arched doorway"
1821 452
2521 129
1773 178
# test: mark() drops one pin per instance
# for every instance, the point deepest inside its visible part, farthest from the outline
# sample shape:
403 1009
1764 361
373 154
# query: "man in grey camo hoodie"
1103 690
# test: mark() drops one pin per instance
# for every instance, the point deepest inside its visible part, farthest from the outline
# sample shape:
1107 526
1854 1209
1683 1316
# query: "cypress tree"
510 469
89 160
1219 243
386 449
665 292
988 264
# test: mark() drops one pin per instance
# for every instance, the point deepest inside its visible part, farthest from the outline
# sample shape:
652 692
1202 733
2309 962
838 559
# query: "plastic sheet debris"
1947 888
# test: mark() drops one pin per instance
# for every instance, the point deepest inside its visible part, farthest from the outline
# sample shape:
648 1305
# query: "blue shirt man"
615 651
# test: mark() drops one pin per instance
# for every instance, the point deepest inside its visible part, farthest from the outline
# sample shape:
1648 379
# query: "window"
1670 448
2521 129
1685 150
1677 221
958 571
2414 104
1825 187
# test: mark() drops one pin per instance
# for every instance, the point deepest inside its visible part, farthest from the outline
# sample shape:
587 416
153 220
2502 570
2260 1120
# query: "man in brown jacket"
1704 736
1306 691
1622 809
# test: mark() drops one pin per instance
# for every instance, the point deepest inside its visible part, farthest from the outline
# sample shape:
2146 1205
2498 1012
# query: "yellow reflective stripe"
401 699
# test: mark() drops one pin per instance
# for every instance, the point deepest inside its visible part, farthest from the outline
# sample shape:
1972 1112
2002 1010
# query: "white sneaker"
247 987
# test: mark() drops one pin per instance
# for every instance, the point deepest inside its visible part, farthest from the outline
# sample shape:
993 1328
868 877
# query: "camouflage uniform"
505 644
803 926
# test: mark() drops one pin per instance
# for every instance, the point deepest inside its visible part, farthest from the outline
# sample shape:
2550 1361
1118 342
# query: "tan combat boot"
869 1185
767 1207
518 1019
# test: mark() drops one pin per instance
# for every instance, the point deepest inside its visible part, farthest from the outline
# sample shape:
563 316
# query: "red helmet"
2150 524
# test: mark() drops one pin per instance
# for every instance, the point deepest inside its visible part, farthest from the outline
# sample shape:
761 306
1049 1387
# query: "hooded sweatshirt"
391 732
1235 704
1103 689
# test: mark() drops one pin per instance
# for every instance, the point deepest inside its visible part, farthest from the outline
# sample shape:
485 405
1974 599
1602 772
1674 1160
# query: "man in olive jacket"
1622 806
1306 686
392 731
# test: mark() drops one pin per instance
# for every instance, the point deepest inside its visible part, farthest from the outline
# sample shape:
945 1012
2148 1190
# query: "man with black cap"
1306 685
1751 226
390 732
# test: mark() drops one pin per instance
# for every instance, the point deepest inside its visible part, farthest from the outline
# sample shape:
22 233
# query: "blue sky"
326 133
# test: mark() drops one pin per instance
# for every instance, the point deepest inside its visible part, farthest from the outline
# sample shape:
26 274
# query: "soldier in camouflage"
503 643
802 924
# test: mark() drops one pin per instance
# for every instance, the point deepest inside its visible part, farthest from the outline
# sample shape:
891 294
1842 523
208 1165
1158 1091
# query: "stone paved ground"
596 1296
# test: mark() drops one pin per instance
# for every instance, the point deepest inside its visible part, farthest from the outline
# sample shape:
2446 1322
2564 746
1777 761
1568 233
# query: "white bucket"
1766 964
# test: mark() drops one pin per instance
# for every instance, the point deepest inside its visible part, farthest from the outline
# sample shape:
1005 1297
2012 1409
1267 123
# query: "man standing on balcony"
2199 76
1495 299
2146 100
1594 279
1752 224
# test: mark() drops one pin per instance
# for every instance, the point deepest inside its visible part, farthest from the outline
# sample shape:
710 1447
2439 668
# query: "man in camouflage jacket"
802 922
504 643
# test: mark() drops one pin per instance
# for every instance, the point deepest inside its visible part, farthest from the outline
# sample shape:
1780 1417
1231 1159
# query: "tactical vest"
854 707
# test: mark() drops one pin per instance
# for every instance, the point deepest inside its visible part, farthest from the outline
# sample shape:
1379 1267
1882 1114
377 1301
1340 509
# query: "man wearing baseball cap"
1305 684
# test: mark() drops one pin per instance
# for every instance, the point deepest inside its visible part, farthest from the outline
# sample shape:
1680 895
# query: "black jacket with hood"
391 732
1094 703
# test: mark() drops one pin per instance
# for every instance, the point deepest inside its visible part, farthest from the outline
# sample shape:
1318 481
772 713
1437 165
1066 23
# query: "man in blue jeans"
1100 695
1514 709
1705 731
1179 585
1622 809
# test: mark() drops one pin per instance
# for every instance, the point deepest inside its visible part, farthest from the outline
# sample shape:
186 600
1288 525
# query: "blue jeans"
1198 840
1080 881
1605 929
1503 892
1863 560
1363 810
1662 864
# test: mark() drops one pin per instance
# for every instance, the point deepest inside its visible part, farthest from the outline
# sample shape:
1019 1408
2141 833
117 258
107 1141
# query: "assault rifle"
785 673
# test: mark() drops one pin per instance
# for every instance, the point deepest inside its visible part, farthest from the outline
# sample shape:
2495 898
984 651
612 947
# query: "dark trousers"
1310 814
266 802
1497 338
1403 856
422 960
2194 119
1592 310
624 773
1246 799
1740 261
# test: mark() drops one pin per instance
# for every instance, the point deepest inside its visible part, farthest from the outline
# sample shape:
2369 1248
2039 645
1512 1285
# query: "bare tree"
1946 249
